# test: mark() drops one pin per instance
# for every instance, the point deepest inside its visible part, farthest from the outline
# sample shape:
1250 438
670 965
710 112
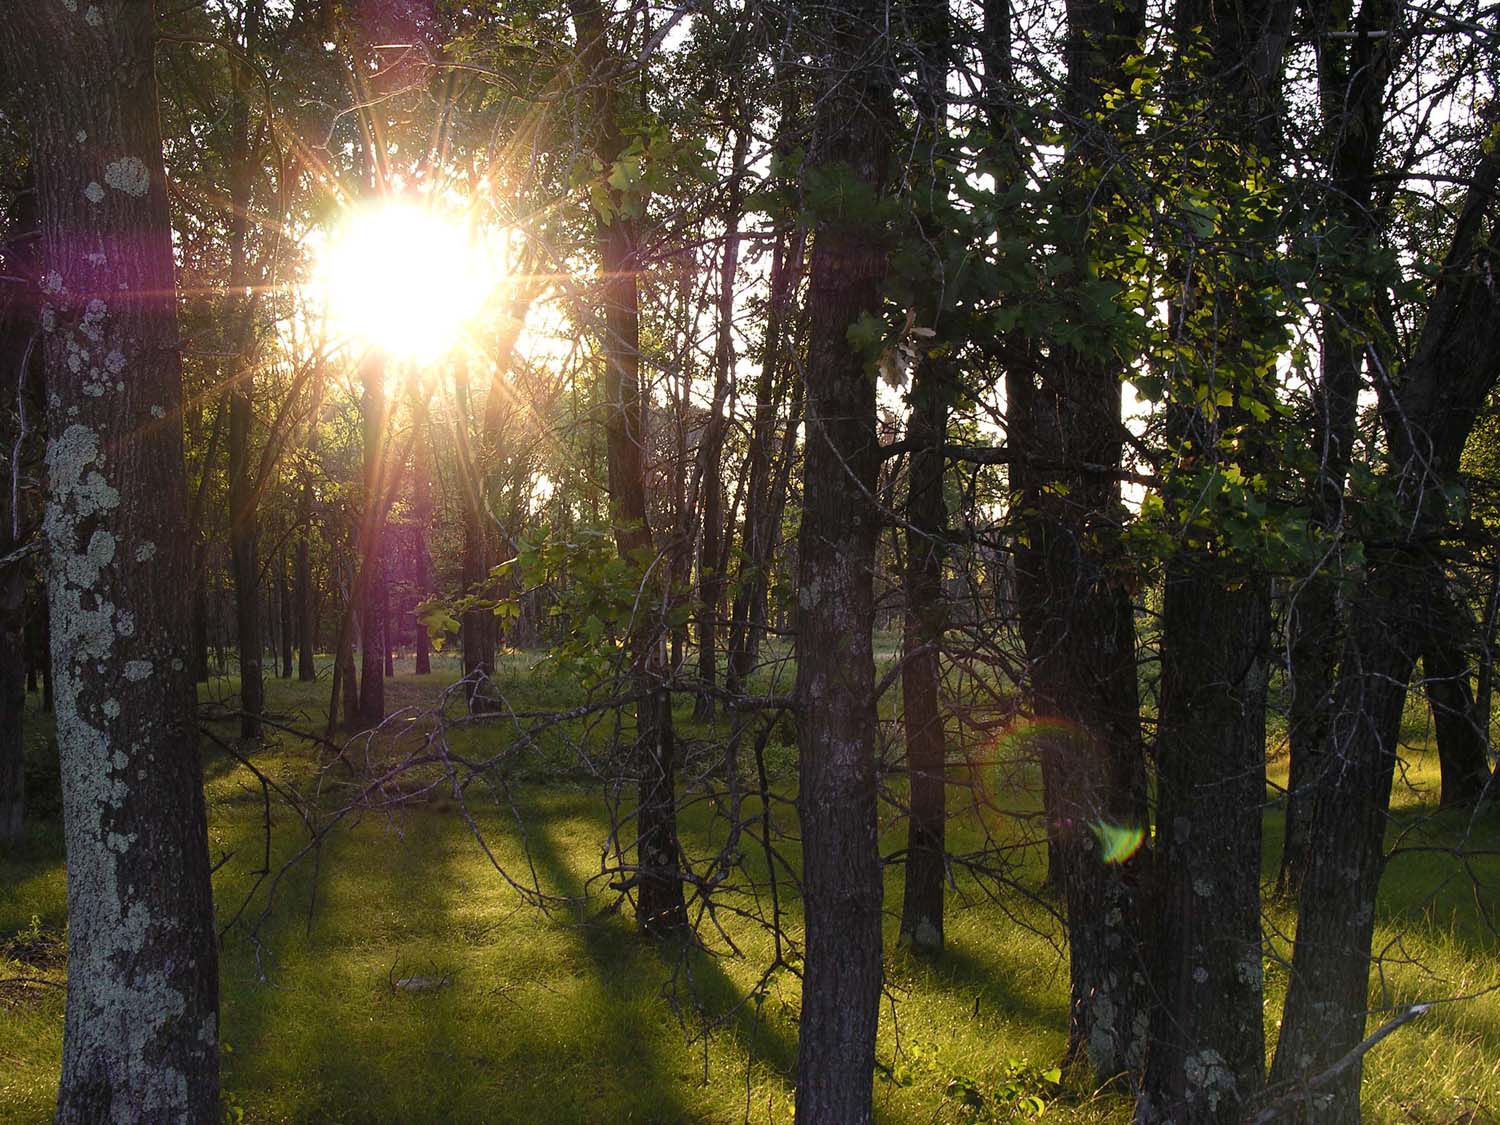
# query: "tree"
20 397
1428 408
658 881
141 1038
1076 616
845 182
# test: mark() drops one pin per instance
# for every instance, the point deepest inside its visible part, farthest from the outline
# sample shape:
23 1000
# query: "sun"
404 279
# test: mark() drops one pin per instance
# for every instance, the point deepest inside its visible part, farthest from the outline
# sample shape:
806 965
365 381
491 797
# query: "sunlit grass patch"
510 1013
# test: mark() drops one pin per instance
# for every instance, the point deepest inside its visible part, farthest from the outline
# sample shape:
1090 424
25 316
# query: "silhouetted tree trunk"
478 625
369 584
716 534
658 882
1459 727
387 623
922 717
835 685
421 521
1207 1053
1075 612
244 529
1428 412
776 382
307 640
926 527
141 1035
1352 81
20 399
284 604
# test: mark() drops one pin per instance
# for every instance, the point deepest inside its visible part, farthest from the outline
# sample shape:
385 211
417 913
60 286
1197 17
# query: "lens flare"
1117 842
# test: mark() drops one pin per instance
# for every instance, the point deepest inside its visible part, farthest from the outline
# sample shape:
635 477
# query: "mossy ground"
568 1016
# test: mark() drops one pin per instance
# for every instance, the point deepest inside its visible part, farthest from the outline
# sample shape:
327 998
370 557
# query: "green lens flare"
1118 842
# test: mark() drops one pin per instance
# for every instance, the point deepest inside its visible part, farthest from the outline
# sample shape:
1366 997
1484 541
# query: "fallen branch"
1304 1090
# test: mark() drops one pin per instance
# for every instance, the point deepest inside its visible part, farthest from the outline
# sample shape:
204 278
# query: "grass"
565 1016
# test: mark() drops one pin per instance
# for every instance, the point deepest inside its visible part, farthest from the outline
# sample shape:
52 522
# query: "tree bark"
307 640
1207 1051
714 543
421 522
1075 609
922 635
1352 85
244 527
1428 412
284 605
1459 727
21 398
926 526
658 879
141 1032
835 684
369 584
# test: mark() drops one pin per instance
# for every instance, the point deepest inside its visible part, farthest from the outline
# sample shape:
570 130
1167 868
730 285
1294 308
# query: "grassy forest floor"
398 978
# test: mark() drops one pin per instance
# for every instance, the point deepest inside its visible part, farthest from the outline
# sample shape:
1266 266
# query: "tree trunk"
1428 413
1076 616
835 685
307 640
421 522
21 398
141 1035
922 718
926 526
12 710
284 600
717 535
658 880
244 530
1207 1050
1352 85
776 381
1461 732
369 584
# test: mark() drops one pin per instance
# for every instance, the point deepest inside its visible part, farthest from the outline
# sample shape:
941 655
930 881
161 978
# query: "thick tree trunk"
1075 613
140 1041
1324 1016
1352 83
1207 1051
1428 412
835 685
